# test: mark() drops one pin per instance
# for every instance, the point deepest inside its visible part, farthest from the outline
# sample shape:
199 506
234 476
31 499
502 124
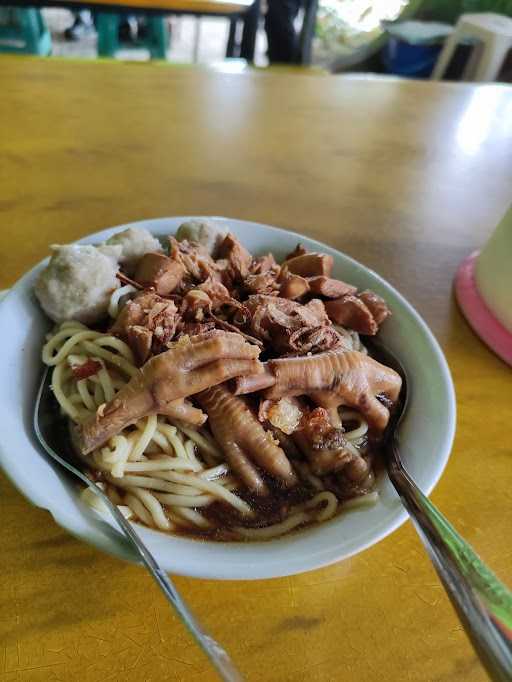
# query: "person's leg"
279 25
82 25
128 27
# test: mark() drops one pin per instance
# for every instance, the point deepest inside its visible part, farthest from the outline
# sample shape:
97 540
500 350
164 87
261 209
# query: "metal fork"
482 602
45 427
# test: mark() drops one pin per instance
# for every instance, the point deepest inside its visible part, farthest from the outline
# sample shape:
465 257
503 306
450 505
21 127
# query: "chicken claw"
163 382
330 379
244 440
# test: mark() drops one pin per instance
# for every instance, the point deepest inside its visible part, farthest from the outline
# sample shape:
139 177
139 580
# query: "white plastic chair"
493 36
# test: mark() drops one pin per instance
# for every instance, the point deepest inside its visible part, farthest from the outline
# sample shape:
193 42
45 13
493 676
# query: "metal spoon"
482 602
49 433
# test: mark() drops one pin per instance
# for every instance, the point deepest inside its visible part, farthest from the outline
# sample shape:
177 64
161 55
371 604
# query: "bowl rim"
117 545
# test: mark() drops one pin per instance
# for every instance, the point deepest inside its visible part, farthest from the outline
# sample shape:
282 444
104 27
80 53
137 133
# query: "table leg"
107 26
230 48
197 39
251 22
307 32
158 37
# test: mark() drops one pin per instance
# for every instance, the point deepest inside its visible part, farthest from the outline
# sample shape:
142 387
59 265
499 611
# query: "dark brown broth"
270 509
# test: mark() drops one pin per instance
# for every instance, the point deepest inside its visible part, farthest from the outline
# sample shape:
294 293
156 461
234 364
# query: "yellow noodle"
70 324
113 494
154 507
176 443
67 373
91 498
190 449
49 358
201 440
275 530
352 449
159 465
126 511
118 360
86 397
113 306
98 394
106 383
184 500
192 516
63 401
330 505
171 486
74 360
139 509
368 500
164 485
147 482
360 431
117 457
144 439
215 472
159 439
118 450
120 346
306 474
210 487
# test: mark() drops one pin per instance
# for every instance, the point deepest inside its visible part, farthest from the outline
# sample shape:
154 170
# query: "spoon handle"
217 655
482 602
210 646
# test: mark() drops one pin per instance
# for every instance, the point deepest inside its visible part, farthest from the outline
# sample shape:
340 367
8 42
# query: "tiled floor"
212 46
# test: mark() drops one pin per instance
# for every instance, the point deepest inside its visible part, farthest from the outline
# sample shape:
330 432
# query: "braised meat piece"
263 283
322 460
328 287
293 286
311 265
263 264
284 414
311 431
317 427
147 323
376 305
289 327
195 259
364 313
217 292
159 272
313 340
237 257
299 250
195 306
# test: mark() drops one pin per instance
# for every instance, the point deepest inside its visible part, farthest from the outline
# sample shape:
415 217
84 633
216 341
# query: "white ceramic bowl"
427 432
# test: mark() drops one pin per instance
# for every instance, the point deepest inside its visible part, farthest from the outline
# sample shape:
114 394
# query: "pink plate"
476 312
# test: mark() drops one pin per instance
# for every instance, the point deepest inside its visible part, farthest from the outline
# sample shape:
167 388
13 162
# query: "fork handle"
215 652
482 602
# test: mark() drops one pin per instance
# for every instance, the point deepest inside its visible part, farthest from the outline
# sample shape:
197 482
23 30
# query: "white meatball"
205 232
77 282
134 242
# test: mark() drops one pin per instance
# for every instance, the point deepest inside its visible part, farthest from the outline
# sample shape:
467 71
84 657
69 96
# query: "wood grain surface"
408 177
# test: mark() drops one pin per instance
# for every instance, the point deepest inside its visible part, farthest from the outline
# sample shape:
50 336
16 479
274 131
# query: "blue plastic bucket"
405 59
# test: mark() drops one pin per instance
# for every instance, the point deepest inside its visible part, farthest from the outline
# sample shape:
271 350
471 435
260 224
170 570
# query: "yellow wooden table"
407 177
